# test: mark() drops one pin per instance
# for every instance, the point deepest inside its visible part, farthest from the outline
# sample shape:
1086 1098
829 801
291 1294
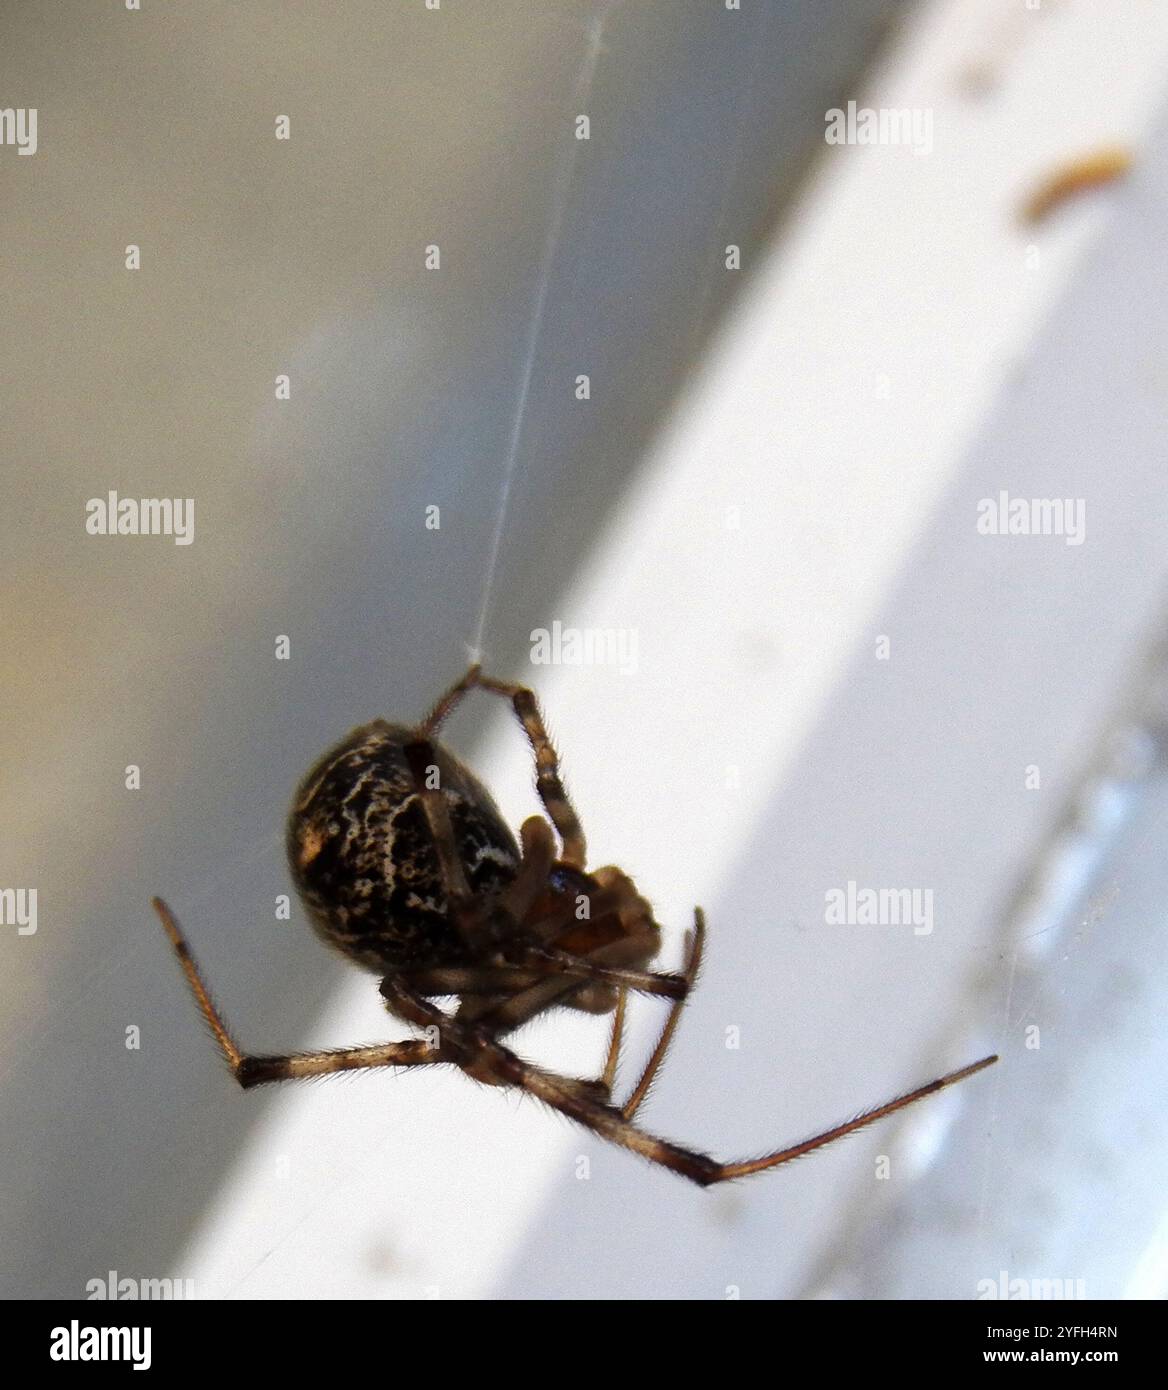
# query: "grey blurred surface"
1067 1160
306 257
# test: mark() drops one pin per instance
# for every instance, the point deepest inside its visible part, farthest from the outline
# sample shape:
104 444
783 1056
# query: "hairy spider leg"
253 1070
479 1053
547 764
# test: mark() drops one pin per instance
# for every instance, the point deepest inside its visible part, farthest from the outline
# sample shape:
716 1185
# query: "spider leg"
472 1046
547 764
612 1124
511 980
507 996
744 1167
420 755
565 974
446 703
538 847
549 961
296 1066
250 1070
462 906
480 1054
607 1080
657 1056
612 1057
471 980
547 768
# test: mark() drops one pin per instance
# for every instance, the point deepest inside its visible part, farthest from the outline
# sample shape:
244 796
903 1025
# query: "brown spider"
405 864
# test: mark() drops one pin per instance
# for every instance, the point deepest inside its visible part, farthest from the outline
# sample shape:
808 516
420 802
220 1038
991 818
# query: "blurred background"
809 366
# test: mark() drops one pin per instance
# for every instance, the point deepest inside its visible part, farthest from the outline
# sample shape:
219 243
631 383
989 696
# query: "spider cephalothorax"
404 862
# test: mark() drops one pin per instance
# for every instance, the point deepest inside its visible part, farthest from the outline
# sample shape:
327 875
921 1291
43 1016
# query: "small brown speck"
1088 171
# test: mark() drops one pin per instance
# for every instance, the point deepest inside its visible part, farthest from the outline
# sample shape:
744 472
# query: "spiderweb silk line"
560 192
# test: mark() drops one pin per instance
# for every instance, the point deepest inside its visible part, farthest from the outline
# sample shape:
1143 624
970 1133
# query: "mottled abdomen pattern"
363 860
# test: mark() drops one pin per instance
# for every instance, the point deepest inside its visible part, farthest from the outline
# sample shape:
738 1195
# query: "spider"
405 864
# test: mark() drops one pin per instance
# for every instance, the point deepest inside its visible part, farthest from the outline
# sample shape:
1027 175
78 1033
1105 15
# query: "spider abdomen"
363 859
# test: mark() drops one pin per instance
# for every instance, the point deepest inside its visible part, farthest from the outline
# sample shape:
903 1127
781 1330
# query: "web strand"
560 194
